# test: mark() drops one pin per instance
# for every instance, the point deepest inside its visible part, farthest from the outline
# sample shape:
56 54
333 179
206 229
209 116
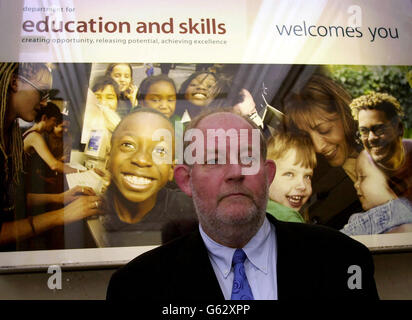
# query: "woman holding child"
321 110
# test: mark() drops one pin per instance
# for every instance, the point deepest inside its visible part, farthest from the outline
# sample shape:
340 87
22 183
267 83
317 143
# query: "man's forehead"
372 115
230 129
225 121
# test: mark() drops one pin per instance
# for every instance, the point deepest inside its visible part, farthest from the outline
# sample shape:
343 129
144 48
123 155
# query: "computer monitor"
97 144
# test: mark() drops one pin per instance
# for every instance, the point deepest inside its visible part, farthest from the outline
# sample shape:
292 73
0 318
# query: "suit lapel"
200 279
295 279
285 261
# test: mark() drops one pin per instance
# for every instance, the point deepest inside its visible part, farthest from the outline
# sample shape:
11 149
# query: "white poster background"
251 31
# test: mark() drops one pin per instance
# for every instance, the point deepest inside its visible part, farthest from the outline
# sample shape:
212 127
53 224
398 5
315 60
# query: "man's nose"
372 136
233 172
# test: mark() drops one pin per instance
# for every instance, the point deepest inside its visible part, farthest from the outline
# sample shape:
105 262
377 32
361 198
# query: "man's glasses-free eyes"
44 93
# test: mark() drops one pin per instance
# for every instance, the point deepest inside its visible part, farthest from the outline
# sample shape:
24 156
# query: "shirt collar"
257 250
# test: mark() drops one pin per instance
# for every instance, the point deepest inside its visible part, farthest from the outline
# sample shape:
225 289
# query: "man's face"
379 136
135 163
222 194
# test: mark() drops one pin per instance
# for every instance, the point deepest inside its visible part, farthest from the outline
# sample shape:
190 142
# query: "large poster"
327 82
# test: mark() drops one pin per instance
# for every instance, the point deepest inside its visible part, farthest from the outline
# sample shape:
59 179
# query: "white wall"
393 274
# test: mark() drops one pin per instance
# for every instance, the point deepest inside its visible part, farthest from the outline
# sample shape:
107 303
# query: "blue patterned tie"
241 288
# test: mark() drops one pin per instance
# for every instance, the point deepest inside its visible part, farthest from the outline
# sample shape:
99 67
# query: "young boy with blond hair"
295 160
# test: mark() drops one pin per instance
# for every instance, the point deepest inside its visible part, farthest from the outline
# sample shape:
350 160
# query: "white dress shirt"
260 265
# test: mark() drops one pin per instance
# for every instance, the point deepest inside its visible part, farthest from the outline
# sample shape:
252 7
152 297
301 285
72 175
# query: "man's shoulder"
166 252
153 266
157 274
328 256
316 238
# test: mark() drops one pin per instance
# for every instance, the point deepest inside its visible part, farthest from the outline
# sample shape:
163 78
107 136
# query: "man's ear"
182 178
270 167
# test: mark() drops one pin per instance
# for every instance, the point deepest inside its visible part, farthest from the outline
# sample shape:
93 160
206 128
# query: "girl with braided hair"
24 89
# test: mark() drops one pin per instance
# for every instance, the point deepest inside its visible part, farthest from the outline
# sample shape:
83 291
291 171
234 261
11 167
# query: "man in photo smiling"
381 130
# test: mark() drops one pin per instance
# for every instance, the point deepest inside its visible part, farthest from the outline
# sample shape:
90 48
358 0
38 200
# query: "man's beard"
221 222
383 157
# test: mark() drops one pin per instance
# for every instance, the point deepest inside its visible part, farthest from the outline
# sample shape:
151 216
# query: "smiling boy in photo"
295 160
140 167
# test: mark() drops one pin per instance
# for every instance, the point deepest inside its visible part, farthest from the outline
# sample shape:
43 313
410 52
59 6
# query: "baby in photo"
384 211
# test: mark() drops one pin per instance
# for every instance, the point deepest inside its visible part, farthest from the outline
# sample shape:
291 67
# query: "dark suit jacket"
312 263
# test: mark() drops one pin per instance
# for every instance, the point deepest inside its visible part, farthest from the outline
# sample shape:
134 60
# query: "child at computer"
140 165
384 211
291 188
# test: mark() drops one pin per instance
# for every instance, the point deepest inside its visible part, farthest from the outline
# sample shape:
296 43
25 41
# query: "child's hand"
131 94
